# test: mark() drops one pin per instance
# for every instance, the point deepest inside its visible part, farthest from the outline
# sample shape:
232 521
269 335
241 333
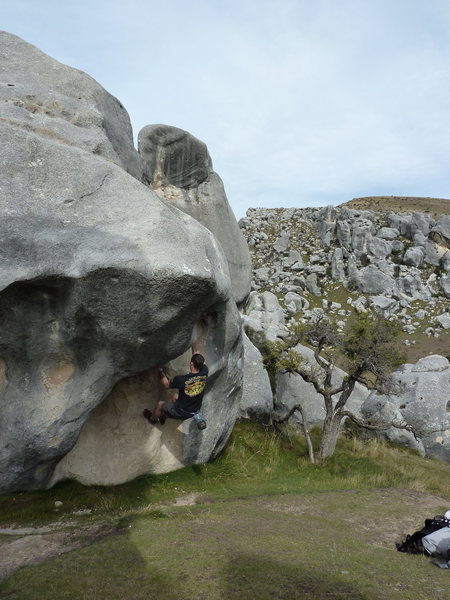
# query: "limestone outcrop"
393 261
423 403
257 398
424 387
264 319
179 169
100 281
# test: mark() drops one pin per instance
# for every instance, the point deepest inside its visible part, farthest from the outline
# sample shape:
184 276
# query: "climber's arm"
165 381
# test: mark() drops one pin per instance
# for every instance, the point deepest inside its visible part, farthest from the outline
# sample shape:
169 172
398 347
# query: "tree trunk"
330 434
309 443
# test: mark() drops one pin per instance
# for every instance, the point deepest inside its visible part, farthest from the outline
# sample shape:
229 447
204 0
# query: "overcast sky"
301 102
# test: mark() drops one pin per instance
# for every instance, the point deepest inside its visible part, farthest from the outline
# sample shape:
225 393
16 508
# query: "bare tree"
371 351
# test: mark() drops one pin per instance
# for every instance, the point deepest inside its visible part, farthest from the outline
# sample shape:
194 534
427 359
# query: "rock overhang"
100 278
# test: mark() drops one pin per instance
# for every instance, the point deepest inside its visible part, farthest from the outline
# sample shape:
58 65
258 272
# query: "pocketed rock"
423 402
378 411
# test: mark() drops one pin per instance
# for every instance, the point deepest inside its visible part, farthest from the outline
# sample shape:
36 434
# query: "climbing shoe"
148 415
200 421
162 419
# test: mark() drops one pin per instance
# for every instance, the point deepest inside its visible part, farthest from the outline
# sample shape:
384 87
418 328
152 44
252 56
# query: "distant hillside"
402 204
338 260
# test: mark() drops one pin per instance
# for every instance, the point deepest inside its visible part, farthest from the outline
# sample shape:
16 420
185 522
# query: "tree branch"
305 427
308 377
366 425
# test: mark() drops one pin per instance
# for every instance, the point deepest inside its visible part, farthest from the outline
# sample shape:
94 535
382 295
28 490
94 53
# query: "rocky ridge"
336 259
313 261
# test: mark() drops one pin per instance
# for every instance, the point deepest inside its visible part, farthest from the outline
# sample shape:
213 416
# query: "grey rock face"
380 412
312 284
413 256
420 222
410 286
362 235
294 258
264 318
373 281
294 302
385 306
325 230
445 261
379 247
42 96
174 157
179 168
423 403
441 232
99 281
257 400
337 265
432 253
281 244
129 446
292 390
444 320
344 234
419 239
402 223
445 284
388 233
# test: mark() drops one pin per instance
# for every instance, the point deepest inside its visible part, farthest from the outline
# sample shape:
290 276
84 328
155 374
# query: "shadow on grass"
248 576
104 570
110 571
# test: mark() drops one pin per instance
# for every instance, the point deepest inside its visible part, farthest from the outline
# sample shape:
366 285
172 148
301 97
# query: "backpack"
413 543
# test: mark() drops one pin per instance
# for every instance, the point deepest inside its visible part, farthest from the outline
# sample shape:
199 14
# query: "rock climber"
187 401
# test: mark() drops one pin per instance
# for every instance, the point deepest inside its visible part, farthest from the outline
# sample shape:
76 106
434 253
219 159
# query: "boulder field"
334 261
104 275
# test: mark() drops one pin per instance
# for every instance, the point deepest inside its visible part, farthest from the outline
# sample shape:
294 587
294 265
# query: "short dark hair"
198 361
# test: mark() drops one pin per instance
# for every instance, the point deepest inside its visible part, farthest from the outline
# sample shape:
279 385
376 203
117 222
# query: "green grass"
317 545
255 462
268 525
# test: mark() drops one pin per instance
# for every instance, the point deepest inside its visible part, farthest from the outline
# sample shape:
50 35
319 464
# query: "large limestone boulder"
257 399
423 403
381 412
374 281
264 319
441 232
64 105
100 281
179 169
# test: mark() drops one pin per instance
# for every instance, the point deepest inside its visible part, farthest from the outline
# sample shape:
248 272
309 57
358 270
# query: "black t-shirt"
190 390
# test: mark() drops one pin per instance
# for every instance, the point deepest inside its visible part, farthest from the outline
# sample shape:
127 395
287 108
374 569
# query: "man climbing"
187 401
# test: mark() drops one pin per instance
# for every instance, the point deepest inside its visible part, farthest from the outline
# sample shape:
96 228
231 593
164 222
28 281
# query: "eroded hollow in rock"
116 444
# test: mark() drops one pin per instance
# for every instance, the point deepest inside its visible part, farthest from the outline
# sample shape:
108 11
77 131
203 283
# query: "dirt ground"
18 549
